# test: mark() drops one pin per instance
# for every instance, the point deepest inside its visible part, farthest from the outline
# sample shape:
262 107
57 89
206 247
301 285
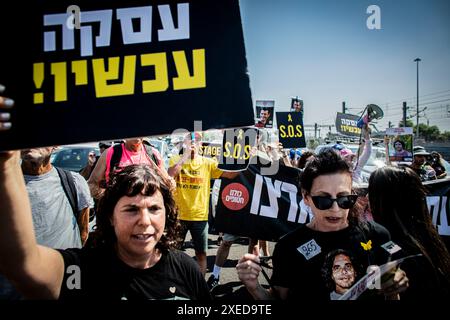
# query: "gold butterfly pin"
367 246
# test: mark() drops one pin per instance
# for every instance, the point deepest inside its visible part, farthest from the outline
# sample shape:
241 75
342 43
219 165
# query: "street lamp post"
417 60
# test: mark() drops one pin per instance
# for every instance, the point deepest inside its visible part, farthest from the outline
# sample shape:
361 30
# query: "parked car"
73 157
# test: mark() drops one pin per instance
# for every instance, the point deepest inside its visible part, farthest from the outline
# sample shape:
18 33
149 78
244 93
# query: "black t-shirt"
425 281
299 258
176 276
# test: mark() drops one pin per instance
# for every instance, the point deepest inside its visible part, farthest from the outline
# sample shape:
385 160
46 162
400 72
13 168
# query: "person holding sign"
193 173
398 200
133 257
299 256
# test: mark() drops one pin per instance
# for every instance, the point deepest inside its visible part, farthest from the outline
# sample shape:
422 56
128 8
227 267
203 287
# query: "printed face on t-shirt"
138 223
333 186
343 273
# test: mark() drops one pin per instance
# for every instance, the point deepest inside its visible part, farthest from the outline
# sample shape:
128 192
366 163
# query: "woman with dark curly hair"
132 257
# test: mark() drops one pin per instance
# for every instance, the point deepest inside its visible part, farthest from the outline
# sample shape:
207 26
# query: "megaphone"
374 112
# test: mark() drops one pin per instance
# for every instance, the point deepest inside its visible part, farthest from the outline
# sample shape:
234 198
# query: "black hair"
131 181
398 201
327 268
328 161
303 158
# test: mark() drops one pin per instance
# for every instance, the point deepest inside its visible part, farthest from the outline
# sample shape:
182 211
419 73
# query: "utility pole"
417 60
343 107
404 113
315 130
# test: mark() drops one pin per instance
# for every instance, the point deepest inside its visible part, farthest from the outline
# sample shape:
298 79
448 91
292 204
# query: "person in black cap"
420 165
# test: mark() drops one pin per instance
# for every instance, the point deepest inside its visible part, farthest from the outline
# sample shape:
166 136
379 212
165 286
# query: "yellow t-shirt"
193 184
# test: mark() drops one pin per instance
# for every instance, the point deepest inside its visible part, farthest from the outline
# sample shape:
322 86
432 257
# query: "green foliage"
429 133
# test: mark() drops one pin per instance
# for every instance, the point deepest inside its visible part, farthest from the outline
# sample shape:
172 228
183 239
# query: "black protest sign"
261 206
346 124
290 129
237 148
131 69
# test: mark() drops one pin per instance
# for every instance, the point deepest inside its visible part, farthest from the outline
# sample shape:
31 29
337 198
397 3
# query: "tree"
429 133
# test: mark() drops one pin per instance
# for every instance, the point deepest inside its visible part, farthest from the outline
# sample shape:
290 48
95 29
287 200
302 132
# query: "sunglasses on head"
344 202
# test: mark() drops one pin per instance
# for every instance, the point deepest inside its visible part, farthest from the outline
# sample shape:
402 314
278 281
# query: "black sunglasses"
344 202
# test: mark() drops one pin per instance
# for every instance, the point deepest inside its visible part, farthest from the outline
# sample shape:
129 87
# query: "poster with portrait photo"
296 105
400 144
264 113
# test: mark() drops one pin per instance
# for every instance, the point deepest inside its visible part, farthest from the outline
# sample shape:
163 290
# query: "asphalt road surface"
230 288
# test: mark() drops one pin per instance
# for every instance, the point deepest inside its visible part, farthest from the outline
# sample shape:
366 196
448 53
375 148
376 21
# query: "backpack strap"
115 158
151 154
68 184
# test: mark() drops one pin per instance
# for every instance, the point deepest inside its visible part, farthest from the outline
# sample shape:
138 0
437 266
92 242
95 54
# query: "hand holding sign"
237 148
5 117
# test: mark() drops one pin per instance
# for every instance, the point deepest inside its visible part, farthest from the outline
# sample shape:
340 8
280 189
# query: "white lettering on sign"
439 209
235 196
274 189
126 16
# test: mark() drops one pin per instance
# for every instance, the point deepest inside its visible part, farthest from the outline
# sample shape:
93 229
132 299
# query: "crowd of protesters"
143 211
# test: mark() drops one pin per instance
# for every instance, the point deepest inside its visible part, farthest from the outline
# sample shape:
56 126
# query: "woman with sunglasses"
398 200
299 256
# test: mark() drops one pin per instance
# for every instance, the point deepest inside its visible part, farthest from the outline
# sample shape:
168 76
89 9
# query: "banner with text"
346 124
261 207
101 70
267 207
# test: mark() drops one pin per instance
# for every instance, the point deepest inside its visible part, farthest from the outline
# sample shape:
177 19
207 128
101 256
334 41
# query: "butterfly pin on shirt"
367 246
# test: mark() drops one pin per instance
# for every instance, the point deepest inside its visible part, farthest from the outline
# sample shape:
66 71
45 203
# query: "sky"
323 52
